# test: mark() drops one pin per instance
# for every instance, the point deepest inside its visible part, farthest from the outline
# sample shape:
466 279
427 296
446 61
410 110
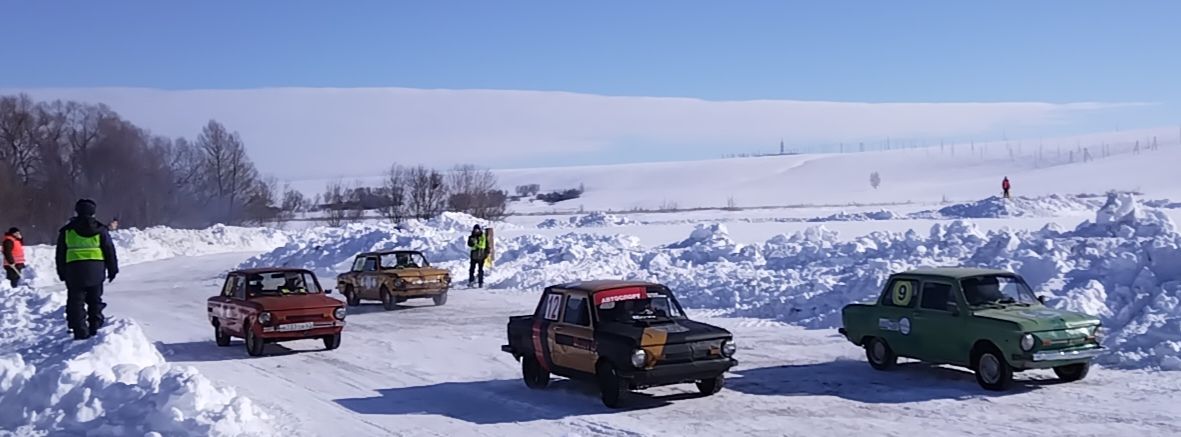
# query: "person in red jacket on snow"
1005 186
14 256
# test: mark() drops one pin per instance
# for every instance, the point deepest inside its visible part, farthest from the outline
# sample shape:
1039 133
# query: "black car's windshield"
997 289
652 307
281 283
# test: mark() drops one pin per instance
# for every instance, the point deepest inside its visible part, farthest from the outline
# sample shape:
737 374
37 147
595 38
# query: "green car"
986 320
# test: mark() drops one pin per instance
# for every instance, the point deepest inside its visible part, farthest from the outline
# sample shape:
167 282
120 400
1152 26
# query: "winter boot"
81 334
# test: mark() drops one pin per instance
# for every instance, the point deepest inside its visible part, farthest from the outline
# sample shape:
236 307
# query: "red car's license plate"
296 327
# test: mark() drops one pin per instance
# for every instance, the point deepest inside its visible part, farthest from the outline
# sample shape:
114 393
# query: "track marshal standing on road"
85 257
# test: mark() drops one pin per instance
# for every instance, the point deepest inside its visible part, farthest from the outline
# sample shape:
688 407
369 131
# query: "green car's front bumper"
1058 357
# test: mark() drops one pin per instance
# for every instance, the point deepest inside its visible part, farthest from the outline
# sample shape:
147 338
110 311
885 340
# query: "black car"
624 335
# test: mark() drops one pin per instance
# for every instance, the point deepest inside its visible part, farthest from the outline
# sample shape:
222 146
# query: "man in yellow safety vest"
85 258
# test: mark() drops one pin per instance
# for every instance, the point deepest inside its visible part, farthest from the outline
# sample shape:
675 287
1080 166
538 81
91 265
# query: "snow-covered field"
777 277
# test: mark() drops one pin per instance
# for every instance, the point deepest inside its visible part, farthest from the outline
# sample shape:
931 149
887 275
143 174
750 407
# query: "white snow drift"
1124 267
144 245
596 219
114 384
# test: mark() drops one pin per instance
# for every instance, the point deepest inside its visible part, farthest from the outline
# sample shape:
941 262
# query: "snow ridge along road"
424 370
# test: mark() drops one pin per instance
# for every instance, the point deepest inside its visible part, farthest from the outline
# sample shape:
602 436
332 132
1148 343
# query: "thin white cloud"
298 133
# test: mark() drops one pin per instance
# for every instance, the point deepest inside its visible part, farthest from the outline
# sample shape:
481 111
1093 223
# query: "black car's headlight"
728 348
1027 342
639 357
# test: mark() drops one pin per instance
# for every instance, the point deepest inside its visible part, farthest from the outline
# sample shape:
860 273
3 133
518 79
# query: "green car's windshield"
997 289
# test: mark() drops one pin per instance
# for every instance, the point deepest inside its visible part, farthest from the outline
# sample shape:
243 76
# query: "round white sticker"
904 326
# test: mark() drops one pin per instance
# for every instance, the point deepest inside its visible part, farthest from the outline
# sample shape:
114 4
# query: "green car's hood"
1038 318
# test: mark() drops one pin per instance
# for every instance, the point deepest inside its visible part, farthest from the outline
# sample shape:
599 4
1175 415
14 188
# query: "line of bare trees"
417 192
53 153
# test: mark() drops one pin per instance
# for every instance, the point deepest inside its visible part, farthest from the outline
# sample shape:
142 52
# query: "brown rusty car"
393 277
270 305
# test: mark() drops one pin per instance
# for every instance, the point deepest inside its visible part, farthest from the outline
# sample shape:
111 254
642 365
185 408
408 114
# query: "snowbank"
152 244
114 384
842 216
998 207
592 220
1124 267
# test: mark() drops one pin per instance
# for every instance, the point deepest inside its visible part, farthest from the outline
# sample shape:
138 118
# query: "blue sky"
873 51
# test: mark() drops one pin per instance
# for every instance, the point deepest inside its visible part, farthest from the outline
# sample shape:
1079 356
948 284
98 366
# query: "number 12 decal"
553 305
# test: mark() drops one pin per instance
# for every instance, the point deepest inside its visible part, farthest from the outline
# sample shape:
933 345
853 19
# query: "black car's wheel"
440 299
1073 372
387 299
254 343
992 371
331 341
879 354
614 389
711 386
536 377
350 296
222 338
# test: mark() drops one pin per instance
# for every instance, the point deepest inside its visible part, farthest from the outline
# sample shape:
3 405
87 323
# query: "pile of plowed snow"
114 384
842 216
1124 267
144 245
999 207
592 220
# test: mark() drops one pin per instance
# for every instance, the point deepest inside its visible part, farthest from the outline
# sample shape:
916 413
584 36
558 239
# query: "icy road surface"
425 370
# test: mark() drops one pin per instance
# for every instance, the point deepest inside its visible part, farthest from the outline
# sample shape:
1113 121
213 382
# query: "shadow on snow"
500 401
857 381
201 351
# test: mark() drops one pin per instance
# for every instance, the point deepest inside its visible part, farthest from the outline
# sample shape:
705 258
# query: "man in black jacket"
85 257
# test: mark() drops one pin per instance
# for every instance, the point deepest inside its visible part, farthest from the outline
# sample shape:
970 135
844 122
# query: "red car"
270 305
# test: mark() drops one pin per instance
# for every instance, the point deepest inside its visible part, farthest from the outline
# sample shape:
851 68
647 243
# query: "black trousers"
472 270
84 308
13 274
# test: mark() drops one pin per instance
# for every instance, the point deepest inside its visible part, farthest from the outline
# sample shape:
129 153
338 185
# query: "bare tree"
293 202
428 192
229 172
396 187
473 191
875 179
334 199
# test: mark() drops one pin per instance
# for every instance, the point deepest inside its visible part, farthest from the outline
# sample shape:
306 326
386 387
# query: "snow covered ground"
438 371
776 277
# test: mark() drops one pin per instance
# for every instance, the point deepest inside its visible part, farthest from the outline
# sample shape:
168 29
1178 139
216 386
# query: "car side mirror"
1042 299
327 291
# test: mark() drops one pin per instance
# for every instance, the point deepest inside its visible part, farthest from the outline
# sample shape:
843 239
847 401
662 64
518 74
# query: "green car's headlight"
1027 341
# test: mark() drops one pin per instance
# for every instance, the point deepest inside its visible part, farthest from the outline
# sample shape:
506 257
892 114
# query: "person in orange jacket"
14 256
1005 186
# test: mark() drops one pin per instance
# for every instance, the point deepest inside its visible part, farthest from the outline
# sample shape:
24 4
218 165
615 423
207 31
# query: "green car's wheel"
1073 372
992 371
879 354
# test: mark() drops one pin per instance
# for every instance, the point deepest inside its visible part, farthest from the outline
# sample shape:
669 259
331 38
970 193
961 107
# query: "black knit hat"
85 208
11 231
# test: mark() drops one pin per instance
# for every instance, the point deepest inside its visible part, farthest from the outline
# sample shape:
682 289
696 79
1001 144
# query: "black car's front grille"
687 352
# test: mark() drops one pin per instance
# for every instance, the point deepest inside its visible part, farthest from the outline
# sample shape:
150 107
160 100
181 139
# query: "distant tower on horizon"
781 151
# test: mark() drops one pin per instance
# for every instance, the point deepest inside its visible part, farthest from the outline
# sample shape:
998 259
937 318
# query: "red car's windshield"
281 283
